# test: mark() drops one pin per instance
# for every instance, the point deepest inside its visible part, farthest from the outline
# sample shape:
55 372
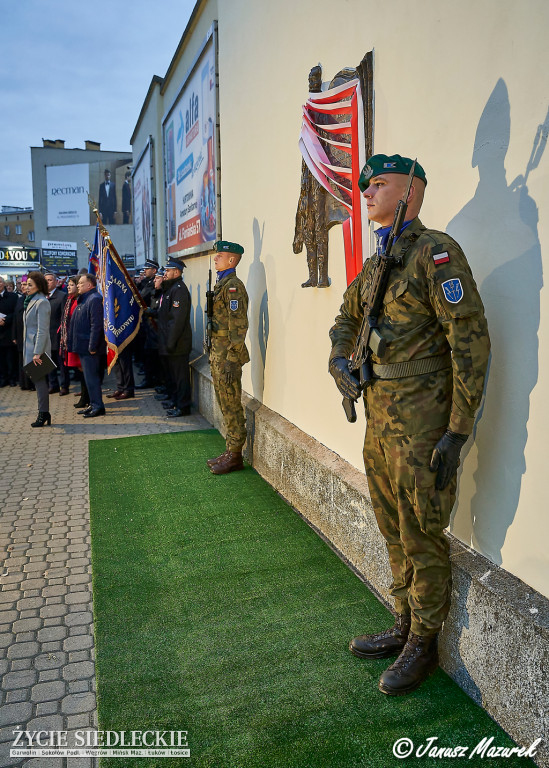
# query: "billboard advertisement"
190 160
108 182
60 257
20 257
67 195
142 207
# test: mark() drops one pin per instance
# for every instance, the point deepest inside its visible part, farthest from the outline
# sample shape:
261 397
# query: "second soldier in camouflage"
420 410
229 353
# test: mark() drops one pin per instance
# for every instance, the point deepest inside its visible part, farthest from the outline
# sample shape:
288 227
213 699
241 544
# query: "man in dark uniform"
143 346
146 287
229 353
420 411
175 336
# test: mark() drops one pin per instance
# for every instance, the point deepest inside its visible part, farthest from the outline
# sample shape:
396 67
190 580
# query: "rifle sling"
412 367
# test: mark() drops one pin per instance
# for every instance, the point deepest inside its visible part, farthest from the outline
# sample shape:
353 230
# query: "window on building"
6 229
18 229
31 236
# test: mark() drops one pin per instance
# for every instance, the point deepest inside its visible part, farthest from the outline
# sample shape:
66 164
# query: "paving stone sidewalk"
46 615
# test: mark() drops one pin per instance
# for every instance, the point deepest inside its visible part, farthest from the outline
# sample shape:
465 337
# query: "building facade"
17 226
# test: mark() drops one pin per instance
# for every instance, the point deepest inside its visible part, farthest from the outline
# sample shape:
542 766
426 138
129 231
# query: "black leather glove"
445 458
230 371
346 382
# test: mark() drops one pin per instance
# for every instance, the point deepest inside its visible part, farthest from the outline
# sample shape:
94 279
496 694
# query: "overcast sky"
74 70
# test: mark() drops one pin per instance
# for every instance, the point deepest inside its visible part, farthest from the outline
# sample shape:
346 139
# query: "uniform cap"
151 264
226 246
379 164
175 264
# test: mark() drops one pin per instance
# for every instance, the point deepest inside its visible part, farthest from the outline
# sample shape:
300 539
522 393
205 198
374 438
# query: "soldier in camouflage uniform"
229 353
420 411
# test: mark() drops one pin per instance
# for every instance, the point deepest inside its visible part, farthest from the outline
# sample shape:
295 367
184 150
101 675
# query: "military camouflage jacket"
230 320
431 307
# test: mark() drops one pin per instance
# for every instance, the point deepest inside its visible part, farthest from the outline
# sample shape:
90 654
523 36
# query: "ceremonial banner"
321 134
122 304
190 159
95 254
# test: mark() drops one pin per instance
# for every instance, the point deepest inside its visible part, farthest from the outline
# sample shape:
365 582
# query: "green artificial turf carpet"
218 611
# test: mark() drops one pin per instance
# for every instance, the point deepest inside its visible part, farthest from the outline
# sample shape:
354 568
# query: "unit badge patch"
175 304
453 290
233 304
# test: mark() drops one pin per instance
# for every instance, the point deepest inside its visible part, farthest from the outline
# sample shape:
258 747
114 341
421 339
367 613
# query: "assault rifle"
369 338
209 315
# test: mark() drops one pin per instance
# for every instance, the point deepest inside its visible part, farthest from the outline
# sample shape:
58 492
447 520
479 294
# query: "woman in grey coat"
36 335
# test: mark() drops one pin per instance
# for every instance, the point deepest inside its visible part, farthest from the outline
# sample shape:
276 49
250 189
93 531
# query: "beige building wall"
464 87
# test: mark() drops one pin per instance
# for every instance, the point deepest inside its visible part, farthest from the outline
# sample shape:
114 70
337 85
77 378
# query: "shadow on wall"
497 229
258 314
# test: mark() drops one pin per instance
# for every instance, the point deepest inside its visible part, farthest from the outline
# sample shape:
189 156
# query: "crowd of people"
44 315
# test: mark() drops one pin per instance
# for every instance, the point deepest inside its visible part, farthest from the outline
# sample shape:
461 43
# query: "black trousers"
8 364
154 373
181 380
61 371
124 371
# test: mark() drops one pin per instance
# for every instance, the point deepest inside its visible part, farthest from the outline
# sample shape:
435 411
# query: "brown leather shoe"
418 660
231 463
211 462
115 393
384 644
124 396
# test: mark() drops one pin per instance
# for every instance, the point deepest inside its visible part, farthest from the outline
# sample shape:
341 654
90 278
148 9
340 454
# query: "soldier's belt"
412 367
221 332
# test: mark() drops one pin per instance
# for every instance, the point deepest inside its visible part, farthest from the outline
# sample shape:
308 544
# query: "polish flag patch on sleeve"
232 290
441 258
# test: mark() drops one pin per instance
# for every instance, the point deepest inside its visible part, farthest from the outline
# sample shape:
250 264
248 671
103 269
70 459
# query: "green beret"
379 164
225 245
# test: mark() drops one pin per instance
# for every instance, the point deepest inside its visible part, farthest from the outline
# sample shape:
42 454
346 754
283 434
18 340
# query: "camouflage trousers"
412 515
229 399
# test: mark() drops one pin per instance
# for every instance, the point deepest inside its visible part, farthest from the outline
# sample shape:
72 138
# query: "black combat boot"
384 644
44 418
417 661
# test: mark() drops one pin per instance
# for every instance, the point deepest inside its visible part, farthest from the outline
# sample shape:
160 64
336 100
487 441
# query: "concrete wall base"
495 640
